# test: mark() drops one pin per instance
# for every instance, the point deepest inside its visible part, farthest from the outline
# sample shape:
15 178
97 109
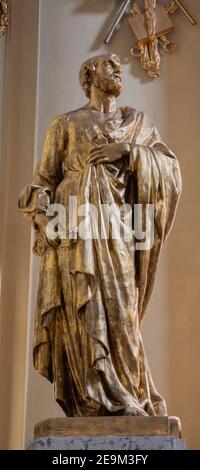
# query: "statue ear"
90 68
86 73
92 65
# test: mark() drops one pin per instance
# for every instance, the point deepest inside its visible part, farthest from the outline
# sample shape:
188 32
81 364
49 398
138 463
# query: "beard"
111 86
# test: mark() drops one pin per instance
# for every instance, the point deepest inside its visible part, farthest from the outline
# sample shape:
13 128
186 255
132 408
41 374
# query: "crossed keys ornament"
150 28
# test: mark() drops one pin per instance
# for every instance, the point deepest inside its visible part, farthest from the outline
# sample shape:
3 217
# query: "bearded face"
108 75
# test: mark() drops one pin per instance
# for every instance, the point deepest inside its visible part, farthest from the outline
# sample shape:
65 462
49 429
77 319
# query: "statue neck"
101 101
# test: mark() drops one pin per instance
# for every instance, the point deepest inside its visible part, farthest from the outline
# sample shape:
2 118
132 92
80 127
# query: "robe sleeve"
158 180
36 196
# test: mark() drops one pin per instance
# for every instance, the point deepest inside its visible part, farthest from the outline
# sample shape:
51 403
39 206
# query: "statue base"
109 433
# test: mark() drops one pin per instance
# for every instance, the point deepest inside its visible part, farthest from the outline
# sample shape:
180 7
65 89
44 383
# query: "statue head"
103 72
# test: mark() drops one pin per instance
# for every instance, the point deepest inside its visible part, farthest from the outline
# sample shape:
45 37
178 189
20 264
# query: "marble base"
118 443
109 433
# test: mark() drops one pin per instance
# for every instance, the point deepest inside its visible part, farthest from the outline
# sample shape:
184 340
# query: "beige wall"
3 43
2 81
69 33
183 271
20 93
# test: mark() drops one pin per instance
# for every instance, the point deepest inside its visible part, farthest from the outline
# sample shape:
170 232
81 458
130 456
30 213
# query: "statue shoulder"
128 111
59 121
147 122
59 124
63 119
141 117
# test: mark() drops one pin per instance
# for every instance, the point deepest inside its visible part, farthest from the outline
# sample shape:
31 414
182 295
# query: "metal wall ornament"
150 27
4 15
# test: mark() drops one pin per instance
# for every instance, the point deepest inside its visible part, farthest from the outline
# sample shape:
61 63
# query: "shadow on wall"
120 40
93 6
183 246
100 7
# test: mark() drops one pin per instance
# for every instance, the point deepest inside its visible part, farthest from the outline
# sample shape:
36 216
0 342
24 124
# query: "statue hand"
108 153
41 221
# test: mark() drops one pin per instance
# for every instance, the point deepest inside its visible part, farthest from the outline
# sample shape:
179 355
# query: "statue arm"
36 196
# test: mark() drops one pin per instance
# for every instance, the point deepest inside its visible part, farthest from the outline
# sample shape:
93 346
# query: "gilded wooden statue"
94 290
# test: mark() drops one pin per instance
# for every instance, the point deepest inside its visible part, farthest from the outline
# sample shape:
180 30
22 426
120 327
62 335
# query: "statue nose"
118 70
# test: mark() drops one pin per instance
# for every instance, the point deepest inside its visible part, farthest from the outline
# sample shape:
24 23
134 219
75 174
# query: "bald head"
103 72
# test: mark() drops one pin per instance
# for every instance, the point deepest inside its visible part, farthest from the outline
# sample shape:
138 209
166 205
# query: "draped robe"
93 293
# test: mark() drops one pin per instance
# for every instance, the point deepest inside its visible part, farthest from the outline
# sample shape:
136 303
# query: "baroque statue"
94 290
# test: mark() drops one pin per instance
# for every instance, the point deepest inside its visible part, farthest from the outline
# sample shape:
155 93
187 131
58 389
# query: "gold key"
173 7
135 10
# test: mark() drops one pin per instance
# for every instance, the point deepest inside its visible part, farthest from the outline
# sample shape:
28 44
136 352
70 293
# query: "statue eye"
109 64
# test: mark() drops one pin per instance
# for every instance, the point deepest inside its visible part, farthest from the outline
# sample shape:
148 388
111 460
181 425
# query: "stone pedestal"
109 433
